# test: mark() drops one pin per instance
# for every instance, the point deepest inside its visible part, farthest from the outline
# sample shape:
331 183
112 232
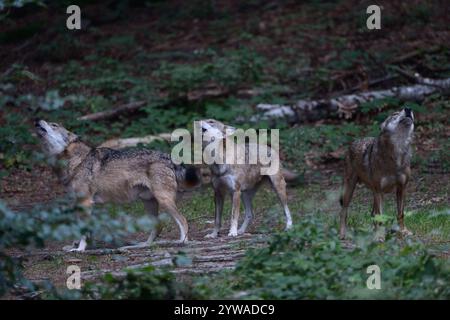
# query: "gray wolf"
99 175
382 164
241 181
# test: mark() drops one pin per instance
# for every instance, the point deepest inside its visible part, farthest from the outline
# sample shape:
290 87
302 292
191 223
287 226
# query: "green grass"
430 223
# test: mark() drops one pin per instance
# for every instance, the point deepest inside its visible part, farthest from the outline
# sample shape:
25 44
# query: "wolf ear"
72 137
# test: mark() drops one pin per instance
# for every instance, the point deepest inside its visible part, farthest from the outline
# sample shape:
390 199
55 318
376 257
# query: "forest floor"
426 216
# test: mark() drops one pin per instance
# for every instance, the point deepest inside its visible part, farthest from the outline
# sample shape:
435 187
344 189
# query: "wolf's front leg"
86 204
401 191
378 210
218 200
235 213
81 246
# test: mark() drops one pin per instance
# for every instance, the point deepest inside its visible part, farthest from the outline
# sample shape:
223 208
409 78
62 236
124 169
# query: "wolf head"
213 129
53 137
399 126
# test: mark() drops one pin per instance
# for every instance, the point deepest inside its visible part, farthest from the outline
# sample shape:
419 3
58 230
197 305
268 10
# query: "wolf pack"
97 175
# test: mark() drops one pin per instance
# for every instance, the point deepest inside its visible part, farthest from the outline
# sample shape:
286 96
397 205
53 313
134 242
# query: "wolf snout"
39 124
408 113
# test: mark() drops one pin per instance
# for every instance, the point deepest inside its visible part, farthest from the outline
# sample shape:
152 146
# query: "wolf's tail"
291 177
187 176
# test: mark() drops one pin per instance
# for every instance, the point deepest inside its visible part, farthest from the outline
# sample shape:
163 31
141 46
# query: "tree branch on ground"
132 142
346 106
108 114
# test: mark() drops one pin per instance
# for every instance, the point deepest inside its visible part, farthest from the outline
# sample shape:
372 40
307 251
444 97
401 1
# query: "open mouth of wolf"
407 120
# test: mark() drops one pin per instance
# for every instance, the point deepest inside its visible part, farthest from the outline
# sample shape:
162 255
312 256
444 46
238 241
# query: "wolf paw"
233 233
183 240
72 249
67 248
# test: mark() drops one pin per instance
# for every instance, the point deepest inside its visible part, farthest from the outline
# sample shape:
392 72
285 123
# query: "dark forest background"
164 64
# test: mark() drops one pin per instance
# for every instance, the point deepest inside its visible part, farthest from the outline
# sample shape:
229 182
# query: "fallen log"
108 114
133 142
345 106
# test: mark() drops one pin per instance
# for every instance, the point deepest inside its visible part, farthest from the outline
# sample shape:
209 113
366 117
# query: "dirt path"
195 257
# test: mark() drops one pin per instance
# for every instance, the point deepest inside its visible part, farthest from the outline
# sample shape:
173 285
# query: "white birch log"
345 106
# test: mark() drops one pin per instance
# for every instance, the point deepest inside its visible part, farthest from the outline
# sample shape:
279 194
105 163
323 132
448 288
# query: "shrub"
309 262
25 229
145 283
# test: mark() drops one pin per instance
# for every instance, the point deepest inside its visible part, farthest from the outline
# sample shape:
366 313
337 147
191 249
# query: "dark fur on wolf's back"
188 174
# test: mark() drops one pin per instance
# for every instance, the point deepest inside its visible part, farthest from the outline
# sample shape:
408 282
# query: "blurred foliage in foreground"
308 262
31 229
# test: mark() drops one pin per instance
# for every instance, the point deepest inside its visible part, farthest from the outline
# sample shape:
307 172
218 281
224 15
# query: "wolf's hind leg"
279 186
166 201
164 189
151 206
86 204
247 197
236 204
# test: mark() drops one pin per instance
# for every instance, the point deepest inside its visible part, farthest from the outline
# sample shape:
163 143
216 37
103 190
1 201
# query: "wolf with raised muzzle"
382 164
99 175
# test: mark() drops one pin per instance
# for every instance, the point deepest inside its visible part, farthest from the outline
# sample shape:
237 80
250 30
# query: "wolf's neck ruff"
398 147
73 155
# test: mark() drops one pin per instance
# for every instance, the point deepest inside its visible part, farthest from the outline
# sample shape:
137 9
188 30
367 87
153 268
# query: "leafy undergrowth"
33 229
310 262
